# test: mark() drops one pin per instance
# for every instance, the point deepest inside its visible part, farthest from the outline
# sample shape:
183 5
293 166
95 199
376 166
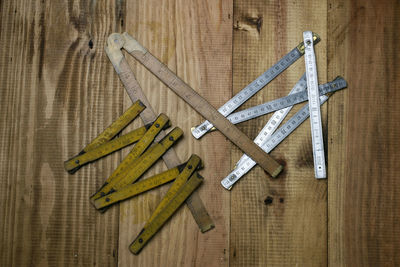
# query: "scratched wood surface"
58 91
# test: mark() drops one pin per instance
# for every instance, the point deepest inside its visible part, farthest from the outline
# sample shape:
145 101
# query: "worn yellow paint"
182 173
141 164
137 188
117 126
170 208
73 164
161 122
193 164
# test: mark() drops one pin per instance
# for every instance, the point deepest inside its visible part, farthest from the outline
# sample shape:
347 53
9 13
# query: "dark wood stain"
42 38
304 158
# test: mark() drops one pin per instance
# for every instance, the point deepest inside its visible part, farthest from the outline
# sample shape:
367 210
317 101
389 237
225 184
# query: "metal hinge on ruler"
267 139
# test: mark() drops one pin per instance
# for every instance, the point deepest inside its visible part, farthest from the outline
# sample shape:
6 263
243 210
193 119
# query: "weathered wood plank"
194 40
56 96
364 195
292 229
58 91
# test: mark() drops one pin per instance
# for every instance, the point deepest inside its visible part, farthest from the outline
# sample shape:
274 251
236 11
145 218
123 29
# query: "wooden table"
58 91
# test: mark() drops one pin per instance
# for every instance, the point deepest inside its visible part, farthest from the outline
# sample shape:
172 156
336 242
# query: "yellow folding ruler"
125 73
138 165
186 181
102 146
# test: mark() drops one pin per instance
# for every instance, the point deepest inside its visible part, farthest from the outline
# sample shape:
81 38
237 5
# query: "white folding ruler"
255 86
315 112
296 96
267 139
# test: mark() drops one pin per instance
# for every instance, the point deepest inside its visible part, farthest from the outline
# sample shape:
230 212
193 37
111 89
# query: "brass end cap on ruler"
301 46
277 171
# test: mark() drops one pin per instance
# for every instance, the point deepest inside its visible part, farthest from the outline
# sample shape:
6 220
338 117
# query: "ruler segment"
137 188
201 106
314 106
160 123
254 87
192 165
270 144
117 126
284 102
110 132
147 233
141 164
276 119
73 164
115 43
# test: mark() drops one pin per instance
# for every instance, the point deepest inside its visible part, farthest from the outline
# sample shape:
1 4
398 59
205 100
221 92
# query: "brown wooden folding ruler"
117 41
113 49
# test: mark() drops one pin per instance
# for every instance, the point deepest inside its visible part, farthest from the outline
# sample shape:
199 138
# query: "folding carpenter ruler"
315 112
282 107
186 181
115 43
138 160
192 98
138 165
254 86
268 140
102 145
295 97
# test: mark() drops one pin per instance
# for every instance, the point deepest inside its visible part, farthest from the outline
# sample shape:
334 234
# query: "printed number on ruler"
315 112
254 87
276 119
271 143
337 84
281 103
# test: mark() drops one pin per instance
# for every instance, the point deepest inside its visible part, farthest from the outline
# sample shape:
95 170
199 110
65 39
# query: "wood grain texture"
363 143
194 40
59 90
290 230
55 98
